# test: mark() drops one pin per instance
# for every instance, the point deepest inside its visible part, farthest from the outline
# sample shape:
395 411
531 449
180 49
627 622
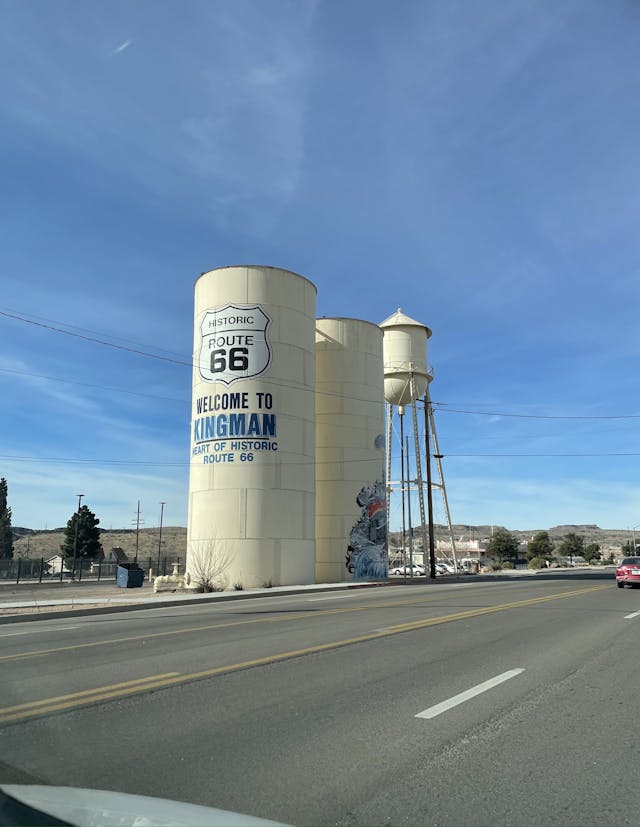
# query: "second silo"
351 540
252 483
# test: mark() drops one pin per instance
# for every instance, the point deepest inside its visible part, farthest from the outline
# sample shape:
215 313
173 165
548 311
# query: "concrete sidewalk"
25 602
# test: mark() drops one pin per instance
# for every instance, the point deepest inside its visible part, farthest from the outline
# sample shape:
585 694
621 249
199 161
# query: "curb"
150 603
225 597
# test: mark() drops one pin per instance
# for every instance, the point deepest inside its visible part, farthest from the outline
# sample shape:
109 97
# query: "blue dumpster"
129 575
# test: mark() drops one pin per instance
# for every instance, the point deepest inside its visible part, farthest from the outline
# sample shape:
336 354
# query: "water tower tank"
405 357
252 476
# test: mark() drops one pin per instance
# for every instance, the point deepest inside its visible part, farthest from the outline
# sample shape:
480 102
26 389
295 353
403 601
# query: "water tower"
407 376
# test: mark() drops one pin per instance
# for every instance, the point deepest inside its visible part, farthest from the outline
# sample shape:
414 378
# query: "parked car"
418 571
628 572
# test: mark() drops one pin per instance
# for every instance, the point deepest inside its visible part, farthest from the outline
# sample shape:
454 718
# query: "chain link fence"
38 570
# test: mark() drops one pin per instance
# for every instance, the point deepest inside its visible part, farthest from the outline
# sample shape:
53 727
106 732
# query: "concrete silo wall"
350 486
252 482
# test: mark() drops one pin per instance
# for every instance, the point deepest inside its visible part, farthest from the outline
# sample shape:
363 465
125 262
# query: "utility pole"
404 524
427 450
137 522
75 540
162 505
409 506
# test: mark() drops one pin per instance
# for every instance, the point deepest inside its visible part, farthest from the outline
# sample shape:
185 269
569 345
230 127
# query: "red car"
628 572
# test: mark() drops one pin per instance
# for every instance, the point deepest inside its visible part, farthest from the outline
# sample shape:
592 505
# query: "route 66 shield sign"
234 343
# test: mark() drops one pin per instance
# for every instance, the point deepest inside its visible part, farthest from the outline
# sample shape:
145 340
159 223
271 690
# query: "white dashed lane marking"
438 709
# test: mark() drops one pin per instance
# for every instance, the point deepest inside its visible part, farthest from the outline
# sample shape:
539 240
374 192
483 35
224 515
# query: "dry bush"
207 563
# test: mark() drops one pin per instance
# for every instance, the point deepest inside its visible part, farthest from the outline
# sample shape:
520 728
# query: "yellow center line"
65 702
87 692
298 615
50 705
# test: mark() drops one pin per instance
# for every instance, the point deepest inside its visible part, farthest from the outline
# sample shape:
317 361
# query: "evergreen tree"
591 552
6 534
88 543
572 546
540 546
503 545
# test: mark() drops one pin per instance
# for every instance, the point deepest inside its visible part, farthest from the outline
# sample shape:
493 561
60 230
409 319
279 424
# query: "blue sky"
474 163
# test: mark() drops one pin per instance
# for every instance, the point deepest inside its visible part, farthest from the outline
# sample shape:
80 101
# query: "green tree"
591 552
571 546
628 549
540 546
88 544
503 545
6 533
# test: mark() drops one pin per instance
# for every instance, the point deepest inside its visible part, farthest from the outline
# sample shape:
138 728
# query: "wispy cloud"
228 120
48 391
74 422
124 45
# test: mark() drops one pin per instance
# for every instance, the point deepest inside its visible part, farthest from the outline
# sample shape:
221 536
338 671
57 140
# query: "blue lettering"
237 424
208 428
268 425
254 426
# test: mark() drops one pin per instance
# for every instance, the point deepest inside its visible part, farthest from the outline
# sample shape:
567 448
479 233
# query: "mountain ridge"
46 542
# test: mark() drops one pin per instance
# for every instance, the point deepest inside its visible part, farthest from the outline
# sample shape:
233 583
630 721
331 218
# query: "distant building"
57 564
117 555
464 548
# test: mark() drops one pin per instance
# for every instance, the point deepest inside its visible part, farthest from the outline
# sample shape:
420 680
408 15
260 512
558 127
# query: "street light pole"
75 539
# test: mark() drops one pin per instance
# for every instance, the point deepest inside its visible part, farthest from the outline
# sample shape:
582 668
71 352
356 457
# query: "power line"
608 454
55 329
90 330
90 385
440 406
95 461
153 463
186 463
443 409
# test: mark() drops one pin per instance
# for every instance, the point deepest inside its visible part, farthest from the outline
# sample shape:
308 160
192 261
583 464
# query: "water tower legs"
407 483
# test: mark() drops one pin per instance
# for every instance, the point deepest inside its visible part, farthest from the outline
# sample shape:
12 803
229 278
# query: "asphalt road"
303 708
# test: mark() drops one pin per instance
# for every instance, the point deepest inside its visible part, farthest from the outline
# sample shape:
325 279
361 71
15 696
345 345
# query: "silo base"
251 564
332 573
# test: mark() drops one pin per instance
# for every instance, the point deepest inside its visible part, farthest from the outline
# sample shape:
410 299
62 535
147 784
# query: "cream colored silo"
252 481
351 539
406 372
